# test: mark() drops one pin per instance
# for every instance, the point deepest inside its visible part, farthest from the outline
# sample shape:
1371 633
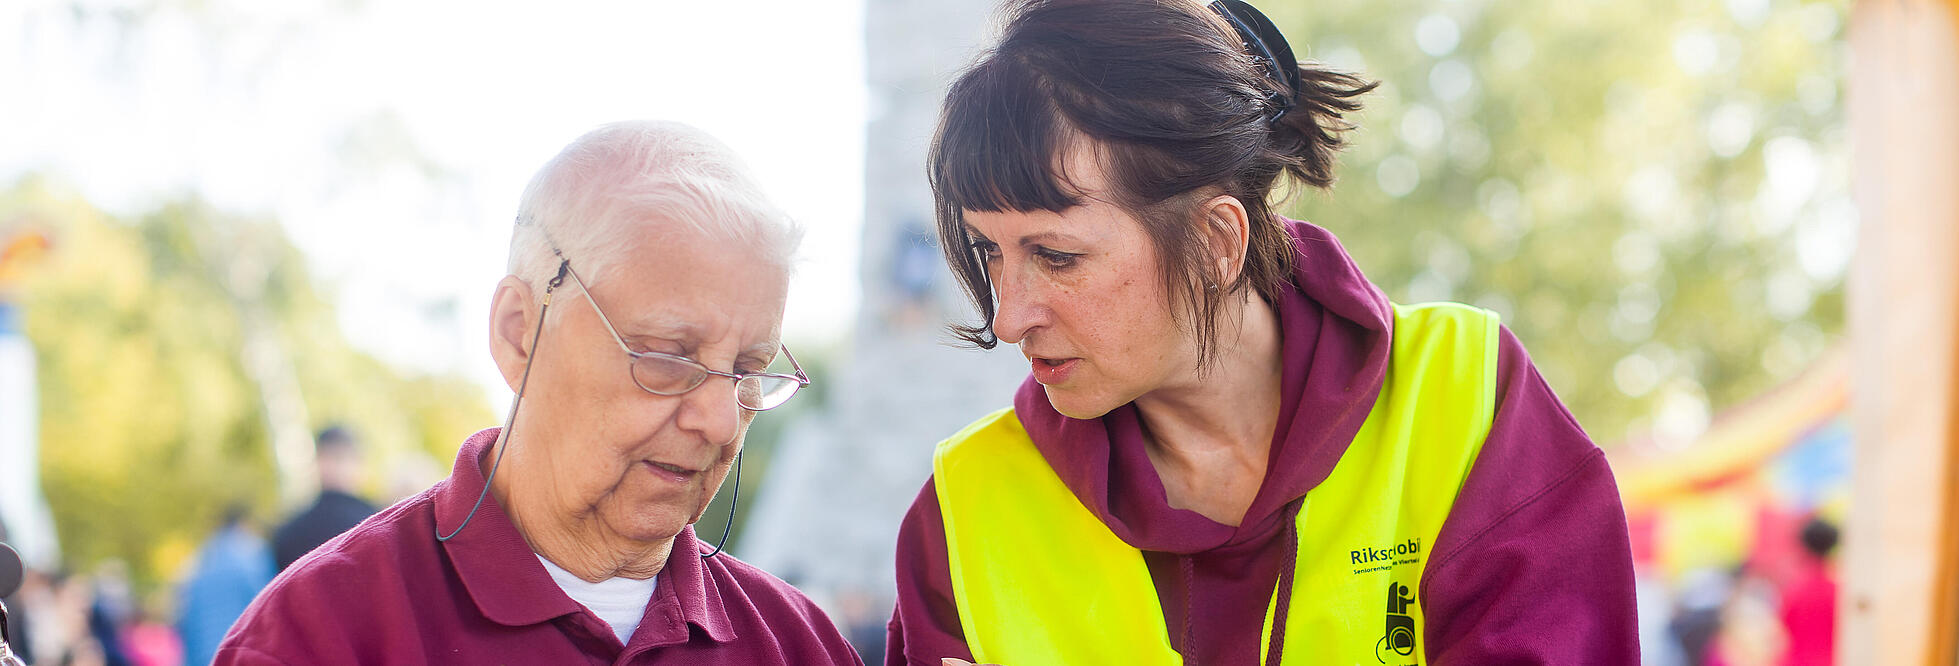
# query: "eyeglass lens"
666 376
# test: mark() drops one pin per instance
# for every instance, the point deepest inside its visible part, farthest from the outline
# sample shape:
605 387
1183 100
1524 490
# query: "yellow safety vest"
1039 579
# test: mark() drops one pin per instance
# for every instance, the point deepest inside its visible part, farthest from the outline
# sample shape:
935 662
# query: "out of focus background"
229 227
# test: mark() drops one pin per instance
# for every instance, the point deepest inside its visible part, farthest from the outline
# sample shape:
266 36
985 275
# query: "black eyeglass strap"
503 436
733 503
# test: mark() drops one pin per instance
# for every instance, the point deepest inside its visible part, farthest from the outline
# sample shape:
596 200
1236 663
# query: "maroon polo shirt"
387 592
1533 564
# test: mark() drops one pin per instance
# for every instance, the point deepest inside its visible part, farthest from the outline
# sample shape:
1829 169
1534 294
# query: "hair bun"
1268 47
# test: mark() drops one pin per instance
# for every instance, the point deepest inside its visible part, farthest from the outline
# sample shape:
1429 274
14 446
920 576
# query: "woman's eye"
1056 258
985 248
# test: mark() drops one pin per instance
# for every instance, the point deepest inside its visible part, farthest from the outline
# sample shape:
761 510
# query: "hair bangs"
1000 144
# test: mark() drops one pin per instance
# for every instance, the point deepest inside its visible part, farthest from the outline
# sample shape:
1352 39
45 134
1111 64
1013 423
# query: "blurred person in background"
1232 448
1657 643
638 327
148 641
1749 634
61 623
227 572
1808 602
1699 611
336 455
863 621
110 611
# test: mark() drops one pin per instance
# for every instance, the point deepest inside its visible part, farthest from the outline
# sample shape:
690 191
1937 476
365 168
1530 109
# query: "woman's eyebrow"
1047 237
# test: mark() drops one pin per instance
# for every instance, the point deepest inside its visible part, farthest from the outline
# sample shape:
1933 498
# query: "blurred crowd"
96 618
62 618
1764 612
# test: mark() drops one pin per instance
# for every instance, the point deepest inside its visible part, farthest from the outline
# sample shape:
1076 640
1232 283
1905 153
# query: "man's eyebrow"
764 349
661 325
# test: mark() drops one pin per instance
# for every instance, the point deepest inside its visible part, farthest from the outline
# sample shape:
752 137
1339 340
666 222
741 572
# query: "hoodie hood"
1335 332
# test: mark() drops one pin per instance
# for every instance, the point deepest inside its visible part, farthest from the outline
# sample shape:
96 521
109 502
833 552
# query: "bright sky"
392 138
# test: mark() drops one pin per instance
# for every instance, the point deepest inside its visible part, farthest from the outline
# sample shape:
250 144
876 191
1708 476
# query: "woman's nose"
1017 308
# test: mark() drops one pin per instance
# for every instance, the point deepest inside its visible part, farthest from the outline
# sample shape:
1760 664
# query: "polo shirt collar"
511 588
492 559
688 590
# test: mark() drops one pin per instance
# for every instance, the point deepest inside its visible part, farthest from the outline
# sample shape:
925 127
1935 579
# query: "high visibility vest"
1039 579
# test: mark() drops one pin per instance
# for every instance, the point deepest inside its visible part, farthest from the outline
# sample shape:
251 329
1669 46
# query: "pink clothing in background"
1809 616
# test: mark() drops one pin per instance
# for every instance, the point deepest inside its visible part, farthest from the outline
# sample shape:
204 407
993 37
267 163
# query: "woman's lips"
1050 371
669 472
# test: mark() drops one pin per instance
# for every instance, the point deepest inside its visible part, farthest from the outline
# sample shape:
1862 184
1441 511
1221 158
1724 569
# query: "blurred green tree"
152 423
1654 196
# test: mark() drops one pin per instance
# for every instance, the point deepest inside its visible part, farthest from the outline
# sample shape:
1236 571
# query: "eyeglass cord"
511 420
733 502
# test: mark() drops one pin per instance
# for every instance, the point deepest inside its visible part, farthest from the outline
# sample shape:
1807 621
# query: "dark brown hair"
1176 112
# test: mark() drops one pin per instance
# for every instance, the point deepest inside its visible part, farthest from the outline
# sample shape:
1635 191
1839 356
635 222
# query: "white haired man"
638 326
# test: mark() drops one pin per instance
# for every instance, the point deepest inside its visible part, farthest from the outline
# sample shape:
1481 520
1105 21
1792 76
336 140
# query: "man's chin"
654 526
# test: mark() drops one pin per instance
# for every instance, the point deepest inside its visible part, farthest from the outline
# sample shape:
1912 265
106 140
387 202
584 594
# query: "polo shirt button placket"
581 634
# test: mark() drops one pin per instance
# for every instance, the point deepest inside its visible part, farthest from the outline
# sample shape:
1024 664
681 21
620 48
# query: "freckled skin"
1082 284
1081 287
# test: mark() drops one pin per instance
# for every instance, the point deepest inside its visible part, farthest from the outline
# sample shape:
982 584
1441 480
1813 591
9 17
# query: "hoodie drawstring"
1276 643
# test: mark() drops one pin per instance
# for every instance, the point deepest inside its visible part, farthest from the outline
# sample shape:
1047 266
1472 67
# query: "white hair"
618 181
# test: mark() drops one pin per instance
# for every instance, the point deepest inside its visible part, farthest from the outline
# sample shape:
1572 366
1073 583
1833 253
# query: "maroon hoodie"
1532 566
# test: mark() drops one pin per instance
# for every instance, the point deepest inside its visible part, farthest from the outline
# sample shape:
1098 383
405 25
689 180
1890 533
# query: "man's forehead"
681 284
667 241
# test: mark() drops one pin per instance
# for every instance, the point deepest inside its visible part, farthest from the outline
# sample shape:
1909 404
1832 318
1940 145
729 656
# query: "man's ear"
513 316
1227 234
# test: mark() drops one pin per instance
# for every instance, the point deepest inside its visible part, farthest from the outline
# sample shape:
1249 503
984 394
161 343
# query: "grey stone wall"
828 515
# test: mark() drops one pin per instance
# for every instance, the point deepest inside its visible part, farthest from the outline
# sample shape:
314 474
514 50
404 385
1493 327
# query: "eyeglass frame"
802 380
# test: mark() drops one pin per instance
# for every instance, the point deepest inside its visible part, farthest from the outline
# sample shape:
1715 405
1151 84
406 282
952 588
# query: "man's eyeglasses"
668 374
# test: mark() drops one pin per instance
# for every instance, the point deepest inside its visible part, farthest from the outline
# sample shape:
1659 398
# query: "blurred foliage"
150 424
1654 196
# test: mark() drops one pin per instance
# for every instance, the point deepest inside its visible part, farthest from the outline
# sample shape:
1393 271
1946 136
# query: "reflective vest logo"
1389 555
1400 636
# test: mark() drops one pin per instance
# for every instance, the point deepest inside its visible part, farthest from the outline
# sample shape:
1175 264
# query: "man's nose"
711 411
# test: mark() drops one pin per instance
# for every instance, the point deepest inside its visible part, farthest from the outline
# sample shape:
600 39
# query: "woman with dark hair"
1233 448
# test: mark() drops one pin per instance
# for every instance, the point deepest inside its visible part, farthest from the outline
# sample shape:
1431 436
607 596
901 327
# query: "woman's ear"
1227 233
513 313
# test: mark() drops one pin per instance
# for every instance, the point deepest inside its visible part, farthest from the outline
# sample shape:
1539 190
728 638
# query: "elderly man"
638 326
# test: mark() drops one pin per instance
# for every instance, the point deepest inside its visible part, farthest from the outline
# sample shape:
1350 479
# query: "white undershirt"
620 602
